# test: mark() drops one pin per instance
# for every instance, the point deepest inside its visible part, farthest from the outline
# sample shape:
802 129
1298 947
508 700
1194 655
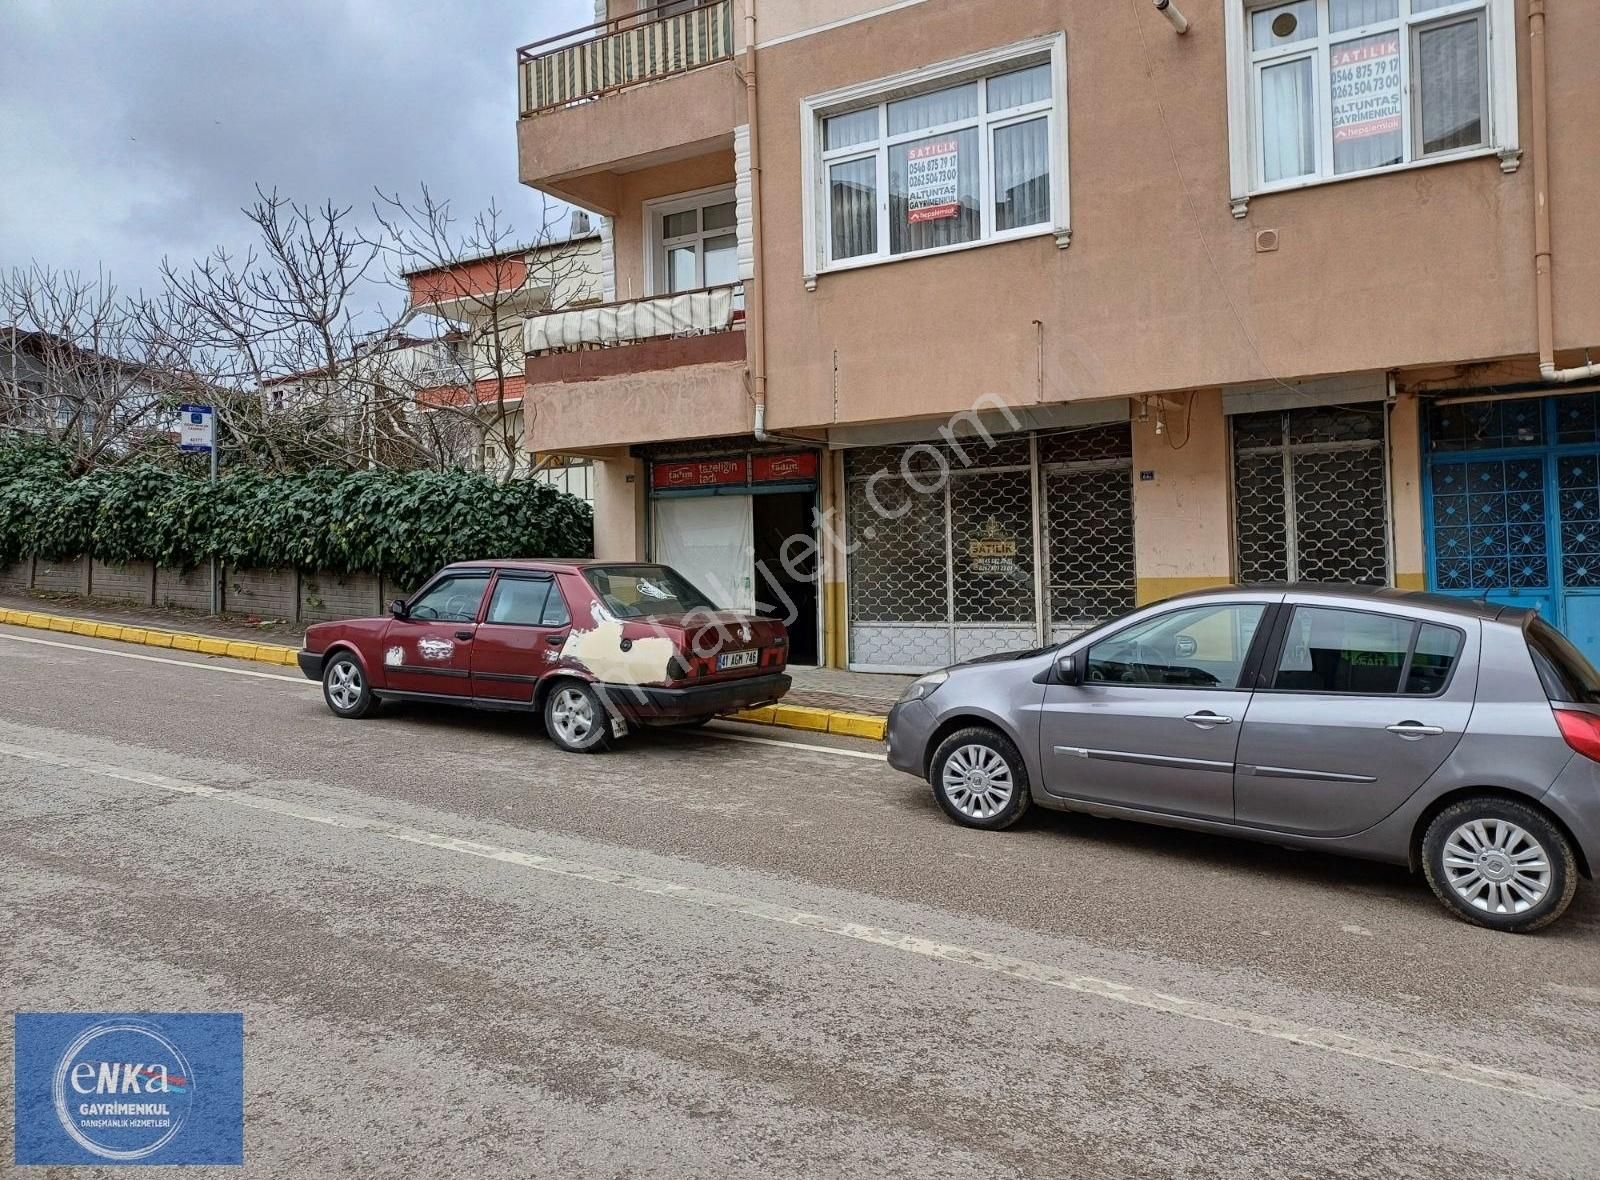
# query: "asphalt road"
742 953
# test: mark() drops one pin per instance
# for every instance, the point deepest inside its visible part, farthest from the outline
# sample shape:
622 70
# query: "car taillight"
1582 731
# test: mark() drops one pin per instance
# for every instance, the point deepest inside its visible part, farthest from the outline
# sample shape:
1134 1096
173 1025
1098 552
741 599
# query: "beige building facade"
1019 313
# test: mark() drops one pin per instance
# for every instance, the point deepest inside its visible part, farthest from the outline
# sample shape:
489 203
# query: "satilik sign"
933 181
1365 78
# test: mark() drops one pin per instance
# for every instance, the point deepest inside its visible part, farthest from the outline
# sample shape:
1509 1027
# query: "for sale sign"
932 181
1366 87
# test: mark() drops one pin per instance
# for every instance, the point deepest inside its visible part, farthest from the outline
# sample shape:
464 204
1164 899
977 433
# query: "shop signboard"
799 468
700 473
1365 77
932 181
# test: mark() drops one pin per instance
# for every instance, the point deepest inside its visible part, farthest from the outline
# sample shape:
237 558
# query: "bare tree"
483 279
86 367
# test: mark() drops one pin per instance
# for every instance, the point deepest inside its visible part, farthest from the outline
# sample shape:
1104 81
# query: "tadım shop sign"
932 181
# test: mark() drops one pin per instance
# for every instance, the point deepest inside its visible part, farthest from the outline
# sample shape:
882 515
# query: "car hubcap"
1496 866
344 685
573 716
977 781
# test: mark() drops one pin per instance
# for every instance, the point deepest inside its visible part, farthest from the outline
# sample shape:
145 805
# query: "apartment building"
1017 313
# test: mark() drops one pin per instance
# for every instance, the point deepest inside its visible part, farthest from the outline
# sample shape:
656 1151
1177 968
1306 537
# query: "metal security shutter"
1311 495
1088 517
944 544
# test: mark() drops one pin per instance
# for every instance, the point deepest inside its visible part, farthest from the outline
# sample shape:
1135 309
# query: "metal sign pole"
197 431
216 596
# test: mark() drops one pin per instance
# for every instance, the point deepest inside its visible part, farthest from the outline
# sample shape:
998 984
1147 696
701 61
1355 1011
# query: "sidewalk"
828 700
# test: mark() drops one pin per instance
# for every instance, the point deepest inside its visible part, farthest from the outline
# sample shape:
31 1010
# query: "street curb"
833 721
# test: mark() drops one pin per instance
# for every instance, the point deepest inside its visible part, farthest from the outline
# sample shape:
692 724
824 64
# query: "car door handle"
556 640
1414 729
464 636
1205 719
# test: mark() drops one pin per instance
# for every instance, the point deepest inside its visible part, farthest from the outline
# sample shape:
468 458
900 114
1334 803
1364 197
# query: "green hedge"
403 525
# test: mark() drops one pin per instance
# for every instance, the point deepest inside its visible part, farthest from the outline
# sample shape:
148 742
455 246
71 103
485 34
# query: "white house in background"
477 363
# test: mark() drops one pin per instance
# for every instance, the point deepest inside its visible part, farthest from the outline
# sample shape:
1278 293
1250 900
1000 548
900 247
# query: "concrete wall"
64 577
130 583
1183 515
619 508
18 576
190 589
269 594
339 596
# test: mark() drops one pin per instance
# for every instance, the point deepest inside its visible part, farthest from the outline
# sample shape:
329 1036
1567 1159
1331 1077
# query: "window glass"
1203 647
1566 674
676 225
1450 104
933 110
1288 120
1364 79
722 260
1435 654
1352 14
1328 650
1283 25
722 216
933 192
853 189
518 601
1019 88
843 131
639 591
454 600
1021 174
555 609
681 269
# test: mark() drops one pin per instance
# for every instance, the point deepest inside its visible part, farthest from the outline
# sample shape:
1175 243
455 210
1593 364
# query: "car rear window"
1566 675
639 591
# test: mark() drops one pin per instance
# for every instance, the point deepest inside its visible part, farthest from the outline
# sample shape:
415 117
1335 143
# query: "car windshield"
639 591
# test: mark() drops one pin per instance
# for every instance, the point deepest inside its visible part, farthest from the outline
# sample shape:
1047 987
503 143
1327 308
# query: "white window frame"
655 245
815 162
1244 139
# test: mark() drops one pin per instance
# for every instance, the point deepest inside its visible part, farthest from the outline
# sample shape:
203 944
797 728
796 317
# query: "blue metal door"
1512 504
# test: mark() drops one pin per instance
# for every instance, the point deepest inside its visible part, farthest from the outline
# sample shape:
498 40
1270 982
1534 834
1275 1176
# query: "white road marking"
761 741
302 682
1026 970
130 655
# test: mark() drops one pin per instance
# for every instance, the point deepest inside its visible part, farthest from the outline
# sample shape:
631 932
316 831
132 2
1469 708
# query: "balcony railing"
707 311
623 51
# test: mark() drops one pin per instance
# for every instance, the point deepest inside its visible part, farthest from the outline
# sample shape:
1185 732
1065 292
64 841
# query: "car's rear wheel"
345 687
576 718
979 778
1499 863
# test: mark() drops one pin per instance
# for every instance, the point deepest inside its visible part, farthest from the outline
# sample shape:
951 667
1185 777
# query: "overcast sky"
134 129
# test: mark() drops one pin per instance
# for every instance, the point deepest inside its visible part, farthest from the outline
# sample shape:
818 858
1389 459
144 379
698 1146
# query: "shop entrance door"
708 539
786 568
1513 507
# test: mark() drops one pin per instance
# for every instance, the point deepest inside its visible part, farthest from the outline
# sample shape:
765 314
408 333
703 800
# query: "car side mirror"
1068 670
399 609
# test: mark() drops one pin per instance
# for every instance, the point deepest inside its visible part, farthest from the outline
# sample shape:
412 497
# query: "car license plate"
736 659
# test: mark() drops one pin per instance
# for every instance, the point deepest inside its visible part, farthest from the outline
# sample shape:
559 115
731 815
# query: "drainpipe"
755 307
1544 291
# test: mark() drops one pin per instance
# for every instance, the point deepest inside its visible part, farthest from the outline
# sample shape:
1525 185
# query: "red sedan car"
595 646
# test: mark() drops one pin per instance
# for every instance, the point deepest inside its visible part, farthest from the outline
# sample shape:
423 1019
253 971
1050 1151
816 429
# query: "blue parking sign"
129 1087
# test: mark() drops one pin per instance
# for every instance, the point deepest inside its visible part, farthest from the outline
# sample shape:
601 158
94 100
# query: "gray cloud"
131 130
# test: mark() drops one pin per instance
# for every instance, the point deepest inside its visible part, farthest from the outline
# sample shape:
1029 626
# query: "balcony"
623 94
639 370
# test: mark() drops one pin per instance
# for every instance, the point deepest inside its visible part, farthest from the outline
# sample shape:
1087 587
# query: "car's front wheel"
1499 863
979 778
345 687
576 718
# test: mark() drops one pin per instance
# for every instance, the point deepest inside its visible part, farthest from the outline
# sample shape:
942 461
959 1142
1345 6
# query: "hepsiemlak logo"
129 1088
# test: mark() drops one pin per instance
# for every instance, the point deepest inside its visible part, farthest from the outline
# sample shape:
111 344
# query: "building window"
953 156
695 242
1339 88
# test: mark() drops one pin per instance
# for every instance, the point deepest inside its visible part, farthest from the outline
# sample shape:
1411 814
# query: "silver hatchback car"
1459 737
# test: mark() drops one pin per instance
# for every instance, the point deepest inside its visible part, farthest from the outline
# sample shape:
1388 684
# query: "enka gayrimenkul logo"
122 1090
